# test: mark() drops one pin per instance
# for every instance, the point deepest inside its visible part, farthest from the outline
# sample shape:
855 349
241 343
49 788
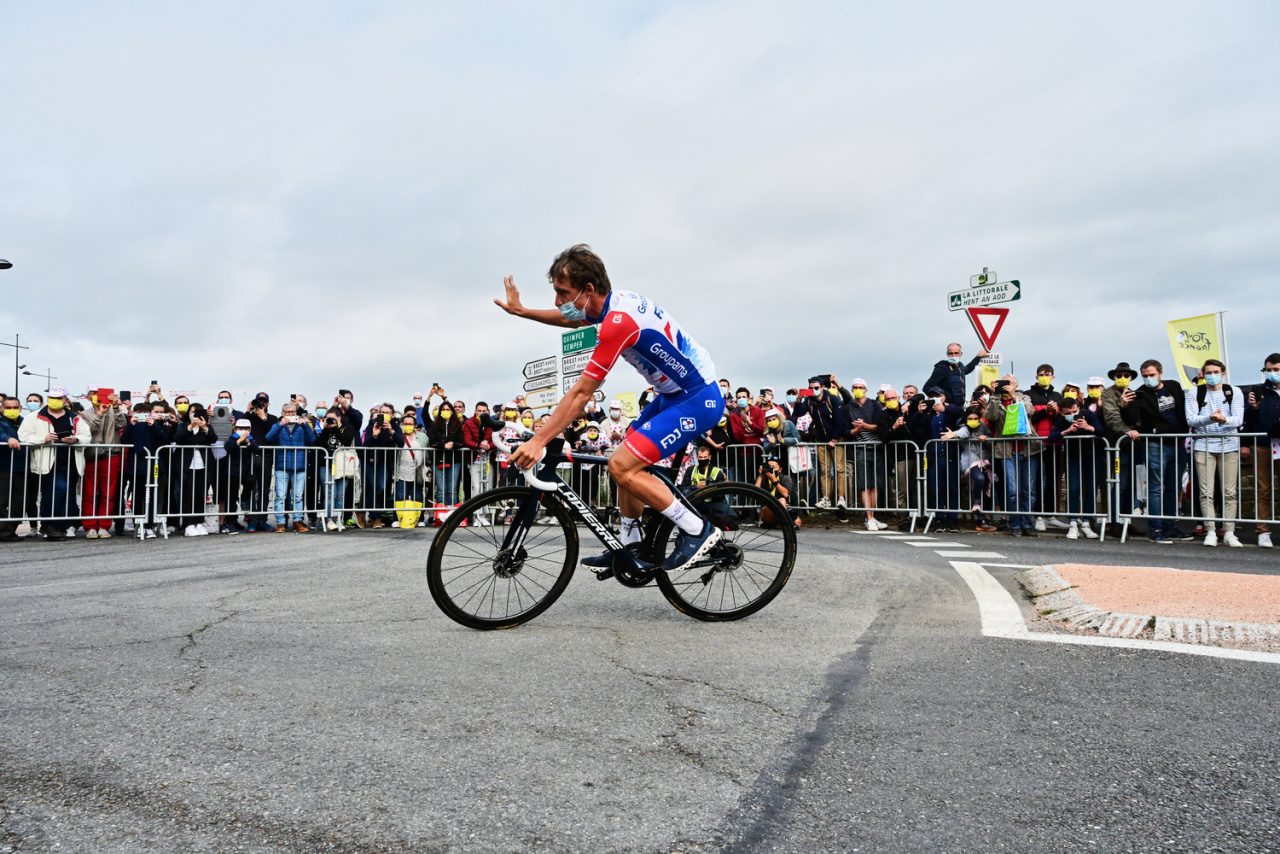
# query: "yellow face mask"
182 408
528 422
973 423
386 418
509 415
446 415
773 423
1122 382
891 404
12 414
1044 382
409 428
1095 393
56 404
859 393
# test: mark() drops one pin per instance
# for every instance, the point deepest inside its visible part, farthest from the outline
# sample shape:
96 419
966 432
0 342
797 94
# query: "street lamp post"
17 345
48 377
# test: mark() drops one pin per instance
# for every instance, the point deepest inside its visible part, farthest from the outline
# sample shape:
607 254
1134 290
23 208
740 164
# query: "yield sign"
982 316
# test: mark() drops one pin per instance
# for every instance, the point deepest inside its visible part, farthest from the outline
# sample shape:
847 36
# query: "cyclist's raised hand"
512 304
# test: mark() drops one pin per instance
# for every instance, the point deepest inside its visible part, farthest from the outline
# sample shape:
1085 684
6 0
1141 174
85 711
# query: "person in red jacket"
746 427
477 435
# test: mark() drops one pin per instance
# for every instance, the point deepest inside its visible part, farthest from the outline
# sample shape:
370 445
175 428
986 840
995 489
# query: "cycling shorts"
671 421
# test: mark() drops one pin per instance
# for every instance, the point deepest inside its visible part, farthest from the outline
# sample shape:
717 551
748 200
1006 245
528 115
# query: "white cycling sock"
684 520
630 530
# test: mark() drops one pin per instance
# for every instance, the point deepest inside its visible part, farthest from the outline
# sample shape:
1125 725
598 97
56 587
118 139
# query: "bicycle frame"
528 511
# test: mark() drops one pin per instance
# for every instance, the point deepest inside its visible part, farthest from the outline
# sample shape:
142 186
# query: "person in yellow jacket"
57 437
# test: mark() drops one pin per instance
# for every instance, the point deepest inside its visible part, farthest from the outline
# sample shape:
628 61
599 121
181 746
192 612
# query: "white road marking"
933 544
983 555
1002 618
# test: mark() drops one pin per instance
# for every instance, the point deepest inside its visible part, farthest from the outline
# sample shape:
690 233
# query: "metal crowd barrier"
1017 478
1196 478
57 487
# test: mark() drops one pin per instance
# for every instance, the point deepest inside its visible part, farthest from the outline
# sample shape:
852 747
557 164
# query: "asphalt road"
302 693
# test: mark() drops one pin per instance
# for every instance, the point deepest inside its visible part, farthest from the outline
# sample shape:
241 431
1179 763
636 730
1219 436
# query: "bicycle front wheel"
747 568
502 558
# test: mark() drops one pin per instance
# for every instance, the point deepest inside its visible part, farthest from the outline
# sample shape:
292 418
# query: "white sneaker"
104 534
24 529
331 525
1211 538
129 526
71 533
91 534
1039 524
483 521
395 524
148 534
1073 531
880 526
873 525
824 503
1055 522
1229 539
201 531
842 503
1087 531
1139 510
190 531
1264 540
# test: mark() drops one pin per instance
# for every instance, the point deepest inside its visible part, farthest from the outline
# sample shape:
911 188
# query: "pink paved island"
1232 596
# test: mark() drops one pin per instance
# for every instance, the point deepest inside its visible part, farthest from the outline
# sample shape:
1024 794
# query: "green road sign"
578 340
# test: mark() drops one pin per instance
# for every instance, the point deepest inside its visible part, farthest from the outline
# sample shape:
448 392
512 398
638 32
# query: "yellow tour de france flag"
1194 339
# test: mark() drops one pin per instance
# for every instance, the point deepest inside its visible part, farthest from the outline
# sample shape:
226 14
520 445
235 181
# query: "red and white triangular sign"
979 317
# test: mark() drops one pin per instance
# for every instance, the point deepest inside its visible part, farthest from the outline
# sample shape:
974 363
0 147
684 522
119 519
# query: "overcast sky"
301 196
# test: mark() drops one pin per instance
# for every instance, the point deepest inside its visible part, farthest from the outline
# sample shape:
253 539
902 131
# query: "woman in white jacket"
57 436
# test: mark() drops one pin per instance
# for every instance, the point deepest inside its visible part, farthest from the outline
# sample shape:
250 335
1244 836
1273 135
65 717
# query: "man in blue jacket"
293 436
949 374
828 429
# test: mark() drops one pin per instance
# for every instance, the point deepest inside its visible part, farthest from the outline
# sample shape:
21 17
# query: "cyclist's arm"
549 316
566 412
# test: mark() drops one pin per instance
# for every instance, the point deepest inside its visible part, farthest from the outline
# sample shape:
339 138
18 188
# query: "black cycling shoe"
604 561
691 548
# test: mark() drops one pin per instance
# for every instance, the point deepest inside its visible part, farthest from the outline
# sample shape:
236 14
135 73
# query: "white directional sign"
569 380
544 367
984 295
540 383
575 363
543 398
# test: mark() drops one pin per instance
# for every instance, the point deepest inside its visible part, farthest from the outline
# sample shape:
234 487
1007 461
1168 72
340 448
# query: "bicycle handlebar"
530 474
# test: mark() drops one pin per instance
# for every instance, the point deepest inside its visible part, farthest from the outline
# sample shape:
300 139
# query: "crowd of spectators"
999 456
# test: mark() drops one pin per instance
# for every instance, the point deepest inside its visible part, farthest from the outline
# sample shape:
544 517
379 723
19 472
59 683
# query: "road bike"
504 556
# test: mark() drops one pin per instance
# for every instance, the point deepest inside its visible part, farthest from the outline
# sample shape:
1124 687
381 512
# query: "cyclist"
688 401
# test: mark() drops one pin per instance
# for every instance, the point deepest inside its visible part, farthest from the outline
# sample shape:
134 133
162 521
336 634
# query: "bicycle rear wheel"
746 569
512 559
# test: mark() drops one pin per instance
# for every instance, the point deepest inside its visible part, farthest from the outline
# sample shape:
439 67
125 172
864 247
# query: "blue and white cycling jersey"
652 342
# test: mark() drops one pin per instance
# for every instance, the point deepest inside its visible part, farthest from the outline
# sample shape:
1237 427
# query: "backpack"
1203 390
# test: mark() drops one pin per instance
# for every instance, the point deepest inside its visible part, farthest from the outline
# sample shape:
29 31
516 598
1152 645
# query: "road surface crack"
187 652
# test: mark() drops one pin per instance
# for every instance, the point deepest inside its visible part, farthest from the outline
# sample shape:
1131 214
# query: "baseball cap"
1096 381
858 381
243 422
57 391
615 404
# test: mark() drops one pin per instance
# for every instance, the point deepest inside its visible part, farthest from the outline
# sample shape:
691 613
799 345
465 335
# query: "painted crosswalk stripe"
972 555
933 544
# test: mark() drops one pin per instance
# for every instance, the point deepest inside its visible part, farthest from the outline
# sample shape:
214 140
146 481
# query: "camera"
1000 385
221 411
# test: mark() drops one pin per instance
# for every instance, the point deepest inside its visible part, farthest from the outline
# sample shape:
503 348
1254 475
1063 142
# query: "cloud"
295 197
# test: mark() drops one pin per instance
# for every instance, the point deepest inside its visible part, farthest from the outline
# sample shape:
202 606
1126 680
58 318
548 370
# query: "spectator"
943 457
1215 414
195 440
1008 413
58 436
103 465
351 417
477 436
13 469
1093 394
828 428
771 479
260 502
150 428
891 429
975 467
293 436
1158 411
591 442
863 416
378 465
1114 404
1045 401
446 440
241 472
789 408
615 427
1077 432
779 434
1262 415
704 473
949 373
337 437
746 427
509 435
412 464
719 439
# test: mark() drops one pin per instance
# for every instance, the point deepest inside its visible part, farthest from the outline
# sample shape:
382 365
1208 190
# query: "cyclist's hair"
1151 363
581 267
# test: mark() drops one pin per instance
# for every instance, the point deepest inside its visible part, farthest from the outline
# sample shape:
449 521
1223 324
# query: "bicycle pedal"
603 574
